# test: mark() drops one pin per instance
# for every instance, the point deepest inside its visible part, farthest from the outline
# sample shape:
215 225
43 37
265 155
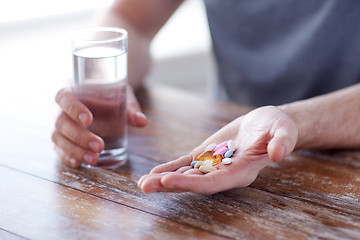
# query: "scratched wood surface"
309 195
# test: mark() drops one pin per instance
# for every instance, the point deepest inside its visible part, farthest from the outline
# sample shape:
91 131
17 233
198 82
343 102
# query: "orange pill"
210 158
218 159
204 155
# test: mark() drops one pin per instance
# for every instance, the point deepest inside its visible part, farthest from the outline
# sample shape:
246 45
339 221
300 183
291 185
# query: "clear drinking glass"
100 77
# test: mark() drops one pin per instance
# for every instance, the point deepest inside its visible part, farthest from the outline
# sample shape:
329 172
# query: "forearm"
142 19
327 121
139 60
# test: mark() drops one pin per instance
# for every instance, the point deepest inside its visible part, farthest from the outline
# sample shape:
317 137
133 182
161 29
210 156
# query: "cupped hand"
73 142
263 135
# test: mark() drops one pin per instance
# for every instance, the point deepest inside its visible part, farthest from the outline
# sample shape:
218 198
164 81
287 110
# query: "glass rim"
76 36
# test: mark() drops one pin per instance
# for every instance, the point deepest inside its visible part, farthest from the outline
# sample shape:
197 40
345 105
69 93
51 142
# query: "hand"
73 142
263 135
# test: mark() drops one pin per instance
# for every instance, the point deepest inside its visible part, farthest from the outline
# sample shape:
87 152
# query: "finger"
151 183
135 116
143 178
183 169
72 151
241 173
209 183
71 162
77 134
283 142
73 107
173 165
193 171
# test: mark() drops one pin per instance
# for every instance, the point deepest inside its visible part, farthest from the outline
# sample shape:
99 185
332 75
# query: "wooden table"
309 195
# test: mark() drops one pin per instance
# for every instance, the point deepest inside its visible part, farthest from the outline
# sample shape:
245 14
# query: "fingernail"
83 118
88 158
95 146
141 115
73 162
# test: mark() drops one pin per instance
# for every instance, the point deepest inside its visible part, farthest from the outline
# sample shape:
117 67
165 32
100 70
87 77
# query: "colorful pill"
228 153
226 161
211 158
193 164
207 169
221 151
213 155
208 163
210 147
218 159
204 155
198 164
223 144
231 145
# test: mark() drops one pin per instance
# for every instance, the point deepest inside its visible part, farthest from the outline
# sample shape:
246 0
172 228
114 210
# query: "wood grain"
5 235
319 181
58 212
308 195
236 214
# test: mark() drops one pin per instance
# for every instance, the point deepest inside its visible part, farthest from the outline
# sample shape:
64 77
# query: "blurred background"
35 45
36 60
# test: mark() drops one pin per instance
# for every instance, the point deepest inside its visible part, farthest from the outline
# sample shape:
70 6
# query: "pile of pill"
213 155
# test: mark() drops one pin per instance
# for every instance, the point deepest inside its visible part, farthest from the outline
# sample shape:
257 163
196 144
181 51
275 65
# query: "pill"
211 158
226 161
221 151
193 164
208 163
228 153
218 159
198 164
231 145
210 147
204 155
223 144
207 169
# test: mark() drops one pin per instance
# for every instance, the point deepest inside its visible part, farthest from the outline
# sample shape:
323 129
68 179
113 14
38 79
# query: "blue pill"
229 153
193 164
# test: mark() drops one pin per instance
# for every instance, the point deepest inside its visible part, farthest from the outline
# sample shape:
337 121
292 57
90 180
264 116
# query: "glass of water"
100 77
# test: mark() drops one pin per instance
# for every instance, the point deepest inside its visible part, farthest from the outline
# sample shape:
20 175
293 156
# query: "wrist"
294 112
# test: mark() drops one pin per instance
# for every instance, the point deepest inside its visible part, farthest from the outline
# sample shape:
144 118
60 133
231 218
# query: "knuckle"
59 122
71 109
60 94
65 99
54 136
76 138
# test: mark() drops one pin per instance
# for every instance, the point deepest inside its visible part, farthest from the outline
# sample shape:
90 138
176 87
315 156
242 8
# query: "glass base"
111 158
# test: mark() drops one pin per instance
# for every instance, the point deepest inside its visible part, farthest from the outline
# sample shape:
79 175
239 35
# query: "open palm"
263 135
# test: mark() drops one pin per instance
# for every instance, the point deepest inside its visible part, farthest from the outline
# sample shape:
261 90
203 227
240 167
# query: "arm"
142 19
327 121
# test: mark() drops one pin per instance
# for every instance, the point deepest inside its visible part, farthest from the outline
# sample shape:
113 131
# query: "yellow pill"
206 169
209 158
198 164
204 155
218 159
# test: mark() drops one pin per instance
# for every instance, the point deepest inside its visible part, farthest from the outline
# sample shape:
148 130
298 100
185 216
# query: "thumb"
135 116
283 141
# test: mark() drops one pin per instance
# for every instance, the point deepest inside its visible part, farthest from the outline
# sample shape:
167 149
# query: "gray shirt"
278 51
